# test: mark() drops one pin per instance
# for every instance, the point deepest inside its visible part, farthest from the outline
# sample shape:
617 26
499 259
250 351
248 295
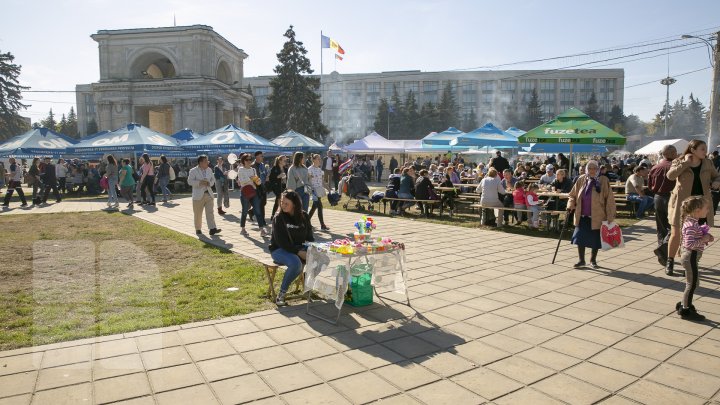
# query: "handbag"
248 191
104 183
611 235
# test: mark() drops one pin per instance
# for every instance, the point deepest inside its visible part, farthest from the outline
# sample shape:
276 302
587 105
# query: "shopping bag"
104 183
611 235
360 291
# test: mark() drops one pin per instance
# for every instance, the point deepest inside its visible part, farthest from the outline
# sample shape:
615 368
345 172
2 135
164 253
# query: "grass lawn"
468 219
76 275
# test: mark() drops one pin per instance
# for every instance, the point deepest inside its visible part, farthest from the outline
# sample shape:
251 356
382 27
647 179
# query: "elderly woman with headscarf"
593 202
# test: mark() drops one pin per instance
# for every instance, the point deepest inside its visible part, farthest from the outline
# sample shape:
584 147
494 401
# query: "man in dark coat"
50 180
499 162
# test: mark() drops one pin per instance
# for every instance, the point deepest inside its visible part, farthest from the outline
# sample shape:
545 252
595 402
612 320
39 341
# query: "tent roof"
573 127
292 139
129 138
654 147
186 134
564 148
37 141
515 131
229 138
487 135
373 143
442 138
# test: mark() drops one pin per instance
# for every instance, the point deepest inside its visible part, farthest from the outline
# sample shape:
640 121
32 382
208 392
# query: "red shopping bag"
611 235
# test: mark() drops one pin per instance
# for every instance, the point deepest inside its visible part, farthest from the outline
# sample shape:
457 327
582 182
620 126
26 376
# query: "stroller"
354 187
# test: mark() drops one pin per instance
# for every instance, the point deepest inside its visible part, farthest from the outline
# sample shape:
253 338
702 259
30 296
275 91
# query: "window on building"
372 87
487 86
527 86
430 92
334 98
547 85
411 86
90 105
507 91
469 97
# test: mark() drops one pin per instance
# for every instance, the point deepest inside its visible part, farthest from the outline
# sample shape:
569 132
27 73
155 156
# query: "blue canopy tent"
94 135
185 135
231 139
37 142
297 141
488 136
441 139
131 139
515 131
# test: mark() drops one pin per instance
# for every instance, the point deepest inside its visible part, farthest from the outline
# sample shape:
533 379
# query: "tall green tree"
469 121
10 95
616 121
533 114
593 108
634 126
295 102
49 122
61 126
72 126
696 115
398 130
381 117
448 109
429 119
92 127
412 117
679 125
257 123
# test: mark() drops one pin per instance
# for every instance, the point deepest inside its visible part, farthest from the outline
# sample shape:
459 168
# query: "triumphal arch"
165 78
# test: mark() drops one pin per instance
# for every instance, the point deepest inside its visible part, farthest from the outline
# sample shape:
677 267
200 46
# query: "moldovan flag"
338 57
327 42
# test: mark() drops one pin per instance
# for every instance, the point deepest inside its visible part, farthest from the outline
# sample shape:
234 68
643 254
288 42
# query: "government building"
166 79
351 100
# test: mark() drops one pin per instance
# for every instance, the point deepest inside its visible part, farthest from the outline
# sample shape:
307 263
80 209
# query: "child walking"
533 204
519 201
694 239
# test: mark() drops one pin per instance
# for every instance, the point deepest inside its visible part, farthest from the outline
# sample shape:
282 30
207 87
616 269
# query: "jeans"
535 214
405 204
317 205
662 224
519 216
255 204
148 184
112 191
304 197
379 171
163 182
62 184
644 202
127 193
293 263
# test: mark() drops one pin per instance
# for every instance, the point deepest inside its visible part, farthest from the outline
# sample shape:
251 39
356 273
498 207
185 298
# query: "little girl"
533 204
519 201
694 239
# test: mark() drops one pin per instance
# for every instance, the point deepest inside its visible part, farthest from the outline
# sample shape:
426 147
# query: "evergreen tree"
679 125
256 117
470 121
412 117
49 122
593 109
398 130
429 119
634 126
295 102
616 121
512 117
10 95
92 127
381 118
696 114
61 126
448 110
72 127
533 115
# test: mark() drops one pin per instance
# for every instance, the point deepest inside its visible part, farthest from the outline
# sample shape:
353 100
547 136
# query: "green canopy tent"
573 127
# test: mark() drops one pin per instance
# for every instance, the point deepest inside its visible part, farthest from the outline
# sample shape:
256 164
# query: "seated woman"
407 188
562 184
423 185
291 229
491 188
448 196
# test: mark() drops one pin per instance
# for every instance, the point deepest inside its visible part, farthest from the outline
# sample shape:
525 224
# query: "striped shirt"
692 234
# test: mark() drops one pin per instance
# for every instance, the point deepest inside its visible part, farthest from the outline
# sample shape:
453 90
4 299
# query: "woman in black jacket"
291 229
423 185
276 180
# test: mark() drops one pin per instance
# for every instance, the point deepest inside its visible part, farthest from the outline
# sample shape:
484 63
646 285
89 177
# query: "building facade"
166 79
350 101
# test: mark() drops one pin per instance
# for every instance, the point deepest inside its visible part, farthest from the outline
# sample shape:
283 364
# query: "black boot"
669 266
691 314
661 253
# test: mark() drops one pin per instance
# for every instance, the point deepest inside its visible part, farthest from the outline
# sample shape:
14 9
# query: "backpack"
172 173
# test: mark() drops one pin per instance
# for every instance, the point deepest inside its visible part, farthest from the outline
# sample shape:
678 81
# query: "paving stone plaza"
491 321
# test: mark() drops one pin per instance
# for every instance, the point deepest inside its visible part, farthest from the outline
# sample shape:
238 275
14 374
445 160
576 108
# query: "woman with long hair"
694 175
247 181
593 201
164 177
34 180
291 229
298 179
147 180
111 172
276 181
318 190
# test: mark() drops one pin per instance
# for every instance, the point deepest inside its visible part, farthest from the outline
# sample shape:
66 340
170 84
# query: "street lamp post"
667 82
714 132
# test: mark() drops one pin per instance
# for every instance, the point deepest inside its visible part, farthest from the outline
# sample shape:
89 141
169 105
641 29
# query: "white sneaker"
263 232
280 301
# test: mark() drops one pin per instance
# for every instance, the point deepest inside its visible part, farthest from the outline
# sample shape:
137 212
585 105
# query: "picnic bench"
385 201
549 213
271 269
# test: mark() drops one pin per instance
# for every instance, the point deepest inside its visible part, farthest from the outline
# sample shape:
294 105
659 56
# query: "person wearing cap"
549 176
499 162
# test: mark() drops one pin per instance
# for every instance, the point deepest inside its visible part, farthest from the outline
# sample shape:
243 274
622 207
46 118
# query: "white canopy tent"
655 147
374 143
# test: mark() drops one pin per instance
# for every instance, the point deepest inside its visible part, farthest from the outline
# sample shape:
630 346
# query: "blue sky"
51 39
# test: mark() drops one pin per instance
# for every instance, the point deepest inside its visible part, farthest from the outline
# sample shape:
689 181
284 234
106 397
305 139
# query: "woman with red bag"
593 202
247 179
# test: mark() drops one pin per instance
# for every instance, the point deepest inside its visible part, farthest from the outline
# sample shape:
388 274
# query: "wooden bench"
385 200
549 213
271 269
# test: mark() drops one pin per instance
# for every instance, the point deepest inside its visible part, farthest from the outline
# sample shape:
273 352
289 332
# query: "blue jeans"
405 204
293 263
304 197
255 203
112 190
644 202
163 182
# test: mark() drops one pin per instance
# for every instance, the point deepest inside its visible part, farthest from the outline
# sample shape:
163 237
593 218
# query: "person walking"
163 176
61 171
593 201
262 174
127 182
379 165
661 187
201 179
247 180
318 190
147 180
393 164
297 179
694 175
291 229
14 184
328 165
50 181
33 180
695 238
276 181
222 185
111 172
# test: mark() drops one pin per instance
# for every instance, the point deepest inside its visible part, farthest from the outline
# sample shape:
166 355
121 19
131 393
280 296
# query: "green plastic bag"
360 291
